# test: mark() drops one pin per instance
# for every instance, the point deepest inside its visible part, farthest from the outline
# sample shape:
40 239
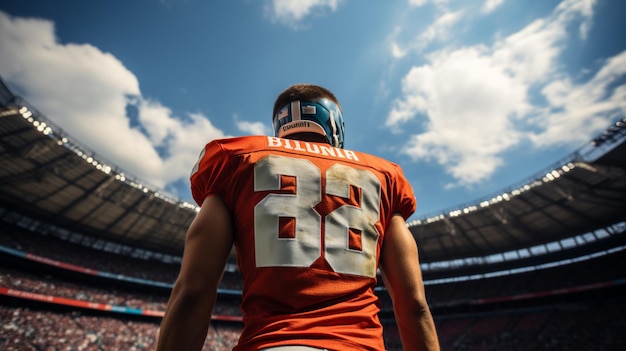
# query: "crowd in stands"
25 329
579 274
561 326
82 256
49 285
79 255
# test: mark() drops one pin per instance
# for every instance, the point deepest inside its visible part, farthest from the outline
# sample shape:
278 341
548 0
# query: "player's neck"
312 137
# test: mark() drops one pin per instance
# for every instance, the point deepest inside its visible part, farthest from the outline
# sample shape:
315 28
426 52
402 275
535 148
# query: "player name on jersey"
311 148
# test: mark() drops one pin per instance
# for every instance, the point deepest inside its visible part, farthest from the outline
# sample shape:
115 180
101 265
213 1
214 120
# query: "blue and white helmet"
321 116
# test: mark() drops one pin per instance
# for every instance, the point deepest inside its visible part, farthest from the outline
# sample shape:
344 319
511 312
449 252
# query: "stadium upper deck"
65 189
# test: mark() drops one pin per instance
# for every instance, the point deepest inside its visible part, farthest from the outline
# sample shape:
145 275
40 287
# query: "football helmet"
321 116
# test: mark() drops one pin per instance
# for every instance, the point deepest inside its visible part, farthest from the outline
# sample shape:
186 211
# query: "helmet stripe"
332 121
295 111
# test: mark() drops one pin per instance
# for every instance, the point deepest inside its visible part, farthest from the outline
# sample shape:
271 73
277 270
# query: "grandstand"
89 253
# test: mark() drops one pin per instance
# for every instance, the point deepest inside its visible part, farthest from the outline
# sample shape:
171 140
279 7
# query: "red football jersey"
309 223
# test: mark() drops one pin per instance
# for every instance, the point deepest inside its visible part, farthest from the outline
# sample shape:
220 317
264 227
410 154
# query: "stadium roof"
47 176
574 197
583 193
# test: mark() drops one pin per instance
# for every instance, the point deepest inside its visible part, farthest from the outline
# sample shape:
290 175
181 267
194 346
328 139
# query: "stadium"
89 253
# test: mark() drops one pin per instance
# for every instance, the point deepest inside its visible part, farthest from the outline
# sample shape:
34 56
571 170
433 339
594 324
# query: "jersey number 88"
306 246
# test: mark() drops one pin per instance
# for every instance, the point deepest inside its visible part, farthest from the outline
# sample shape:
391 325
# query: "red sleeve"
210 173
405 198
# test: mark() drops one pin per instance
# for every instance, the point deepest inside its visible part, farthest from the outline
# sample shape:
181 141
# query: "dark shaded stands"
575 306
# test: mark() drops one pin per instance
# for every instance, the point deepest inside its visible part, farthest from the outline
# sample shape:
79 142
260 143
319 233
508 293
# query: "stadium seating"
542 316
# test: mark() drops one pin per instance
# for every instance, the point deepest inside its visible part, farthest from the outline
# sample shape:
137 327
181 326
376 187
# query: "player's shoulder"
233 145
376 159
380 163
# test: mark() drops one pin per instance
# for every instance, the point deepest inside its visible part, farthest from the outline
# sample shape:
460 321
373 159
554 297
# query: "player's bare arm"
208 243
399 263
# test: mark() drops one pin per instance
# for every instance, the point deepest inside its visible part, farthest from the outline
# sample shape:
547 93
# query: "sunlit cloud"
418 3
87 92
475 103
470 103
576 109
397 51
582 9
439 31
490 5
292 13
253 128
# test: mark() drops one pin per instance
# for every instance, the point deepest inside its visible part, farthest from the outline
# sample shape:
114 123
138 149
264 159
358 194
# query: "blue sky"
469 97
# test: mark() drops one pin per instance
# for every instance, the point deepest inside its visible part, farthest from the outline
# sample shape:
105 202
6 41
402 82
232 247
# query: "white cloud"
570 9
470 103
180 139
418 3
531 54
476 100
86 92
490 5
438 31
575 110
187 140
291 12
253 128
396 51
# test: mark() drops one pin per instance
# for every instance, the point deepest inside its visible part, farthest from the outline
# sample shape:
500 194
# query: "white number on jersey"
305 247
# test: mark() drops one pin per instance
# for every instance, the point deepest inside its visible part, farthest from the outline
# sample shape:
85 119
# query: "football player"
312 224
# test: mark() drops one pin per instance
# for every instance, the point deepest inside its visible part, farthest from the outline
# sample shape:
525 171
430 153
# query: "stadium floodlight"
455 213
27 114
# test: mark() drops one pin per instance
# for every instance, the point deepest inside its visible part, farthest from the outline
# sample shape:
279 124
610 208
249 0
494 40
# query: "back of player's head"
307 108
